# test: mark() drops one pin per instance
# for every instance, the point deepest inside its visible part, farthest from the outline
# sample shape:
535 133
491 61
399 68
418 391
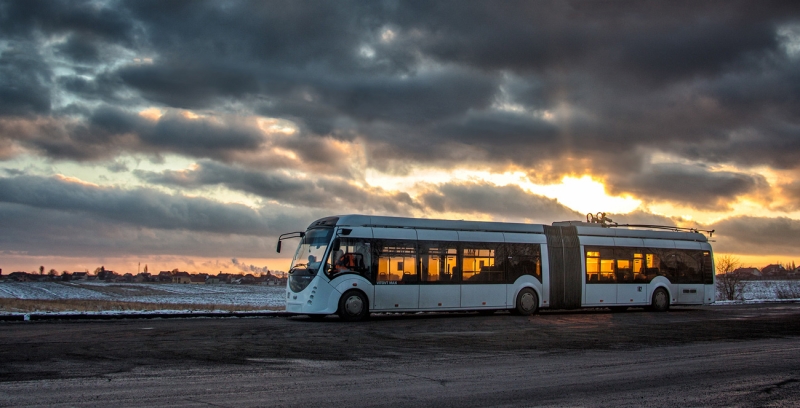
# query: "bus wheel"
527 302
660 301
353 306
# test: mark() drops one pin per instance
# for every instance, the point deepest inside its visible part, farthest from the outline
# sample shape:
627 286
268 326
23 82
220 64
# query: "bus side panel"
432 297
601 294
396 297
483 296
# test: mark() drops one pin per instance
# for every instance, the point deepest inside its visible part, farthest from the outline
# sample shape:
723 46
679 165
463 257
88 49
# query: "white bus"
353 265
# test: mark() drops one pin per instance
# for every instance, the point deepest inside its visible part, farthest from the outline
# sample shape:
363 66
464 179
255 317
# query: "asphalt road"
745 355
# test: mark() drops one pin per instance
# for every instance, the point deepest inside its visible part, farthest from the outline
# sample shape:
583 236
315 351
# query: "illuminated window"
437 262
480 264
600 265
396 262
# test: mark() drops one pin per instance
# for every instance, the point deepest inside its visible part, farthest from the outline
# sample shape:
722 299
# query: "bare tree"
729 284
41 270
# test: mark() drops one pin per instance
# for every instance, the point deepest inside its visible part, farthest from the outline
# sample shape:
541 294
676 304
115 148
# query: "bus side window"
600 265
397 261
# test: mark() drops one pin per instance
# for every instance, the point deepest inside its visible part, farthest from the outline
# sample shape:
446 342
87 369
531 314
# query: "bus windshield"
310 253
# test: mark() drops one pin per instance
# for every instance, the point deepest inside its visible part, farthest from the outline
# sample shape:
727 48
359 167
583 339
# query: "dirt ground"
718 355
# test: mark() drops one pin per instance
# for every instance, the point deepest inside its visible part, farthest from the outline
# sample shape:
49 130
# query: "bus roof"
583 228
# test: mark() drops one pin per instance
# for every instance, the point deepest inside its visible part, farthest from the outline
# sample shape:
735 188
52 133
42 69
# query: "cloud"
48 232
140 207
546 88
505 202
690 185
757 235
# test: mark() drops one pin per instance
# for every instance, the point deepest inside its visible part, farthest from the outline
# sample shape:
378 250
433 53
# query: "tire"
527 302
660 302
353 306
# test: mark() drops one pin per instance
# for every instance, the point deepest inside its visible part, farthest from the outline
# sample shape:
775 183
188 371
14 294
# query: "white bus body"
356 264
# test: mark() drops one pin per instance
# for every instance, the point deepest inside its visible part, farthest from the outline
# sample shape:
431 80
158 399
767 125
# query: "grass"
82 305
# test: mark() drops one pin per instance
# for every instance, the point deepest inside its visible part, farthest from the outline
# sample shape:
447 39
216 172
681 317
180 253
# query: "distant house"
774 271
142 277
182 277
80 276
197 279
164 276
747 273
19 276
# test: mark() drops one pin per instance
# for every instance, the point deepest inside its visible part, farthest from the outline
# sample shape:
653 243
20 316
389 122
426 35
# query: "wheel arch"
660 284
519 289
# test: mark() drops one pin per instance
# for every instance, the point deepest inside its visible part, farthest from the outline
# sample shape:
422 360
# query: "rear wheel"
660 301
353 306
527 302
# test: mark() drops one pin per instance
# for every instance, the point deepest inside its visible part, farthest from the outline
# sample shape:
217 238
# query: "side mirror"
278 249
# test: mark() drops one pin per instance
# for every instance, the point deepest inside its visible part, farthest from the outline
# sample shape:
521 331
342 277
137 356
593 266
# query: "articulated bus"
352 265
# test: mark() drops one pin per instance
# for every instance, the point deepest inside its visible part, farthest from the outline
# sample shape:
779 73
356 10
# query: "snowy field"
768 291
268 297
167 293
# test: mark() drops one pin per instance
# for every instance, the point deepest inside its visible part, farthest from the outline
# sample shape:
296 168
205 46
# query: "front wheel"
527 302
353 306
660 301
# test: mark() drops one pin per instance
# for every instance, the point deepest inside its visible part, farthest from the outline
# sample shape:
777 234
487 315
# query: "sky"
191 134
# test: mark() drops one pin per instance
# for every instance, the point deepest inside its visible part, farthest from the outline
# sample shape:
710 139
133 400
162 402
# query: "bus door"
483 281
601 279
397 281
439 286
629 271
689 269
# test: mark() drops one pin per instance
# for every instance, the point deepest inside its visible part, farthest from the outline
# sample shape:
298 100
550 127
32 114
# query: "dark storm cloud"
505 202
142 207
757 235
109 131
689 185
50 232
25 80
573 87
21 19
321 192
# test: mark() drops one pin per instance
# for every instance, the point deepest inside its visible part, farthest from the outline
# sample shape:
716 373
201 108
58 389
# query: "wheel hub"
526 301
354 305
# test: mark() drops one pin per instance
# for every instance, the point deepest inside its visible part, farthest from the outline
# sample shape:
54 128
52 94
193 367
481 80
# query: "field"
61 297
16 297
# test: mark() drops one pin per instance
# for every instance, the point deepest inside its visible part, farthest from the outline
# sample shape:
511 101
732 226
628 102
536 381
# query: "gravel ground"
734 355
